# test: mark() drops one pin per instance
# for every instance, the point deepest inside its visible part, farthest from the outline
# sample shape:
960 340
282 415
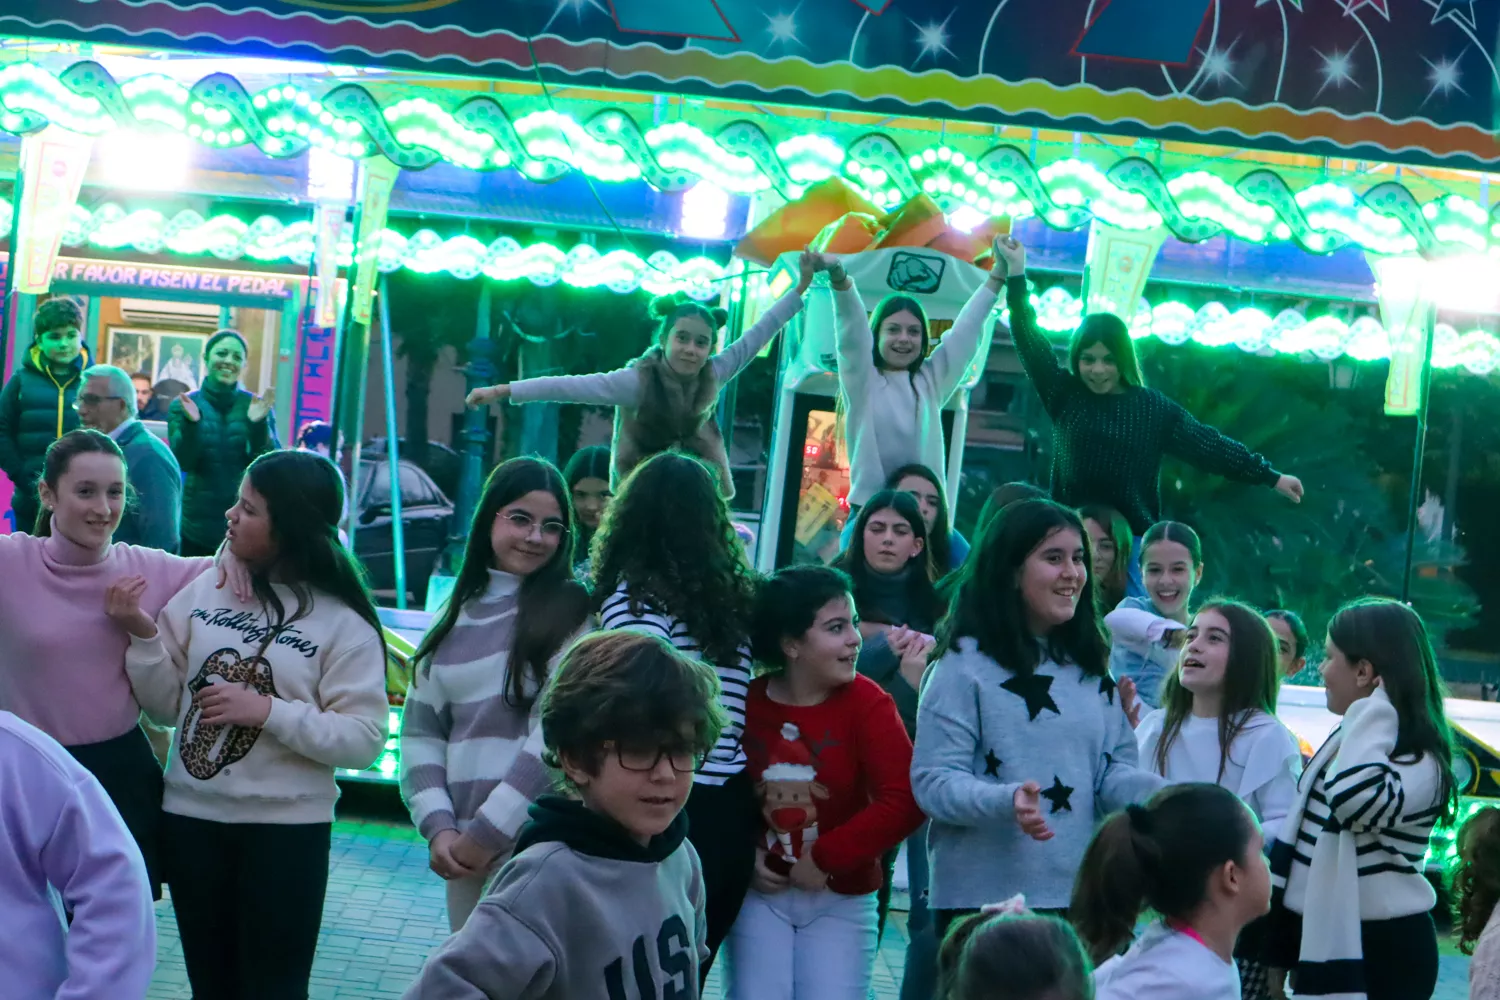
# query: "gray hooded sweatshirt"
580 912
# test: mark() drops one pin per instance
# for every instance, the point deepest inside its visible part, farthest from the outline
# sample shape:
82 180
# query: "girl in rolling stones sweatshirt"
269 697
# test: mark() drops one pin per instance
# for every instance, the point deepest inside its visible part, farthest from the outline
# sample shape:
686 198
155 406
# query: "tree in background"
1345 539
429 313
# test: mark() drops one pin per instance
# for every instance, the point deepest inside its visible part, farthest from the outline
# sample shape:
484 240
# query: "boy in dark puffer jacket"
36 405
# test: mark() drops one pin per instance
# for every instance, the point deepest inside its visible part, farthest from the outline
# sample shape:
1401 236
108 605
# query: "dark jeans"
131 775
1400 956
919 979
723 822
249 904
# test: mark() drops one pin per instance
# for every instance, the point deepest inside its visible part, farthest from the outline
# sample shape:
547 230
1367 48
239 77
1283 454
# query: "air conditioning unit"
165 312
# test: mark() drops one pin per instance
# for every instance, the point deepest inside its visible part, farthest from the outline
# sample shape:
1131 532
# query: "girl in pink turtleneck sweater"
62 660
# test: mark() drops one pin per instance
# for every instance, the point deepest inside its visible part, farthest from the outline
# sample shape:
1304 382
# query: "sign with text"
1404 80
108 274
53 163
315 364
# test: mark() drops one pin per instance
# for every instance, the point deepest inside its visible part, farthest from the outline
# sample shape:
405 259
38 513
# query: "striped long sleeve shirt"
624 611
471 761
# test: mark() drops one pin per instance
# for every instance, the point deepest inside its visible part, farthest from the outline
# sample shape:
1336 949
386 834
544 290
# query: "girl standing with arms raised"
514 610
56 640
891 391
1351 910
269 697
667 562
1021 737
666 398
1110 431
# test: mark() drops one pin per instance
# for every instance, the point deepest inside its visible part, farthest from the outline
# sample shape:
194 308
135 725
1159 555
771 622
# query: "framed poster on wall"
164 355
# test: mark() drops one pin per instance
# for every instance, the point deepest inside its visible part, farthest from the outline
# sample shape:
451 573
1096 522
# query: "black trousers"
723 822
249 904
1400 955
131 775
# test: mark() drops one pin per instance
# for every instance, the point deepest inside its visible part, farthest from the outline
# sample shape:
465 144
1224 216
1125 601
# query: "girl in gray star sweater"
1021 738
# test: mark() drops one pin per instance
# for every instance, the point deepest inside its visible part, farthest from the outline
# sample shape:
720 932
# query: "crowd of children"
632 757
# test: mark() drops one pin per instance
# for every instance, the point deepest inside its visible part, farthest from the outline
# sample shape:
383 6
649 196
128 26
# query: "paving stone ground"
385 913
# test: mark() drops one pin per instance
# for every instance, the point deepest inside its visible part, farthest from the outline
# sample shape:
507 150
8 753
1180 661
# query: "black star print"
992 764
1107 687
1059 795
1109 759
1035 689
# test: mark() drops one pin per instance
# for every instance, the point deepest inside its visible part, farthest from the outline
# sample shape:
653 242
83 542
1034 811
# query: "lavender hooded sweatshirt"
64 849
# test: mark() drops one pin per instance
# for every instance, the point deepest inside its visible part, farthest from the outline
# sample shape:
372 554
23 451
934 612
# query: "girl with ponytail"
1192 855
665 399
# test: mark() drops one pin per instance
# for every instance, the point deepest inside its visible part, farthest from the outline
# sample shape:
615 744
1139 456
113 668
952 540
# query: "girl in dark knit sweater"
1110 431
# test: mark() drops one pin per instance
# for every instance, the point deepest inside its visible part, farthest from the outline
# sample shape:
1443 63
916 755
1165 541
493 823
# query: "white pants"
463 895
800 945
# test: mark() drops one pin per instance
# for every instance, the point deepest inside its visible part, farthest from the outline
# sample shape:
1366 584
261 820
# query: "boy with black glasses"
603 897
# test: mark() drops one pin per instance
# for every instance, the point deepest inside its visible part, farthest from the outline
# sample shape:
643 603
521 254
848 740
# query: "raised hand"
261 405
1028 803
189 408
487 395
122 602
1290 487
233 574
1130 699
808 265
1010 258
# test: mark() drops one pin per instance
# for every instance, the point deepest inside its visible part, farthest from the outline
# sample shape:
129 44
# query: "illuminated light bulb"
140 161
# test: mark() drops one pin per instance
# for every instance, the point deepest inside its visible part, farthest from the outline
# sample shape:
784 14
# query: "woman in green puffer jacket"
216 432
36 405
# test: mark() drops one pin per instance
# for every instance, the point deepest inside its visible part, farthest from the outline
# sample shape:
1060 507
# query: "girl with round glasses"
515 609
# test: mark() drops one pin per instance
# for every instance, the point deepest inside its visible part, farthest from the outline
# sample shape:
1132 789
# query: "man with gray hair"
153 512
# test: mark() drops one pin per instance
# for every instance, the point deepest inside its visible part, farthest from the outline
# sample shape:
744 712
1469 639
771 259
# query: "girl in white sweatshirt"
891 391
666 399
269 697
1217 724
471 740
1193 855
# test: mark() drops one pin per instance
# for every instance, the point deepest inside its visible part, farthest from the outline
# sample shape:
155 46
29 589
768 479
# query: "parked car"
426 515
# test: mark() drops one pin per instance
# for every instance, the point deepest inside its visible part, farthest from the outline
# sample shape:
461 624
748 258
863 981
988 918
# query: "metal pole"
480 371
1418 450
349 391
7 311
393 448
728 395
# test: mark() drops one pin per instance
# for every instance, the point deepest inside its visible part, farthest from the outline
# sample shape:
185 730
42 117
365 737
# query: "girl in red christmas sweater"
832 766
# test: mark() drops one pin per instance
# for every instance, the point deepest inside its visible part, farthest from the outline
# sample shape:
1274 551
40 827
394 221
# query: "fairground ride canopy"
1407 81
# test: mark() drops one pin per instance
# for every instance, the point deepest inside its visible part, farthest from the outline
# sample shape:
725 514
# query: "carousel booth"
807 485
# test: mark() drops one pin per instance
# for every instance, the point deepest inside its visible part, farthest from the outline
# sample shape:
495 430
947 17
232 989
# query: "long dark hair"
921 595
939 540
1111 331
1476 880
1111 588
786 605
1294 625
60 455
989 608
587 463
1251 682
551 607
669 538
1013 957
1393 638
304 495
1160 856
884 310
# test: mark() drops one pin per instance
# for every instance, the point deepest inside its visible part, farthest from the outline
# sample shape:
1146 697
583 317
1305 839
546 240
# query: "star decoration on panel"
1460 11
1444 77
1382 7
1107 687
782 27
1337 69
1036 690
1060 795
992 764
576 7
1295 3
932 39
1218 64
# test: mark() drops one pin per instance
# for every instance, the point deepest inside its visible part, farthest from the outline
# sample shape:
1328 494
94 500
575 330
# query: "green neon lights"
110 227
1254 331
480 134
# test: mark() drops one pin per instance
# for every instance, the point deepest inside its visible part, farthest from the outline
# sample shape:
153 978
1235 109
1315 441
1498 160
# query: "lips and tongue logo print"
208 749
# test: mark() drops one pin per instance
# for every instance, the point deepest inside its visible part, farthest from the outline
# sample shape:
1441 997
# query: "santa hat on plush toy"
791 760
